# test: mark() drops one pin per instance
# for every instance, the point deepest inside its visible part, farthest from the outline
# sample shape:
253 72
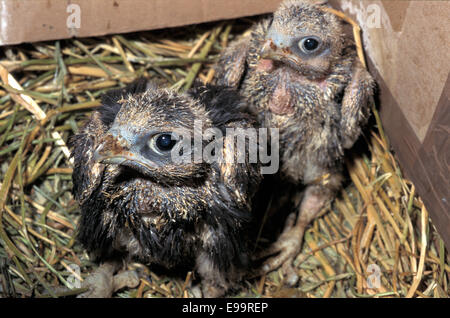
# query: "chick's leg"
102 283
289 243
213 283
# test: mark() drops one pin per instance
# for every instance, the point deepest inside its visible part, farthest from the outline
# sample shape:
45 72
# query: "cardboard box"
41 20
408 51
406 45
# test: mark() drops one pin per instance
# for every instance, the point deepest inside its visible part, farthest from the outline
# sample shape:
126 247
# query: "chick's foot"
102 283
286 248
288 245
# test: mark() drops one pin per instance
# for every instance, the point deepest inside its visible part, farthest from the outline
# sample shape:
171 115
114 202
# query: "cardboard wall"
408 52
40 20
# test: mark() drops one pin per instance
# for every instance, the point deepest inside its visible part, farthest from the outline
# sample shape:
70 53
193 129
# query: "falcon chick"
139 202
299 73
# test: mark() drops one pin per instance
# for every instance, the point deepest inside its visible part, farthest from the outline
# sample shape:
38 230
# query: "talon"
290 222
288 246
290 273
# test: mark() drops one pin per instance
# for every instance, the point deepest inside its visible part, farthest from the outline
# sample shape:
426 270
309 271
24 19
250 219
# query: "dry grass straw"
49 89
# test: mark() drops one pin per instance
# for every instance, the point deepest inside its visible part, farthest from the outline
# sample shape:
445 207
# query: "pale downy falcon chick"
301 74
138 202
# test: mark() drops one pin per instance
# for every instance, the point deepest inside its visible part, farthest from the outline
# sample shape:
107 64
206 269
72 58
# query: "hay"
376 234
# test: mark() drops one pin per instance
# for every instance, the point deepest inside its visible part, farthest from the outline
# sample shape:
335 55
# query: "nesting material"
375 240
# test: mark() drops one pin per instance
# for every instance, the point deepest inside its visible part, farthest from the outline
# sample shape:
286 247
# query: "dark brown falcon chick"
140 201
299 73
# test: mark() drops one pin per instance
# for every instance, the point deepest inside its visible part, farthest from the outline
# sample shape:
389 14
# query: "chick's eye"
164 142
309 44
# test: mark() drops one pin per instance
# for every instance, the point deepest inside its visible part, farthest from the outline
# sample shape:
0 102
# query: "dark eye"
163 142
309 44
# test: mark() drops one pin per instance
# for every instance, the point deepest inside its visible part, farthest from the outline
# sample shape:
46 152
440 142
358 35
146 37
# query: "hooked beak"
269 50
276 52
117 149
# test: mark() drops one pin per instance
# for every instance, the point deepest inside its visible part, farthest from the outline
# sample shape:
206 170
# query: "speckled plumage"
317 98
166 213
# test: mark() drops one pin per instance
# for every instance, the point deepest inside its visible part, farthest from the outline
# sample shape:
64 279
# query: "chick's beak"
118 148
277 49
113 149
276 42
268 50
